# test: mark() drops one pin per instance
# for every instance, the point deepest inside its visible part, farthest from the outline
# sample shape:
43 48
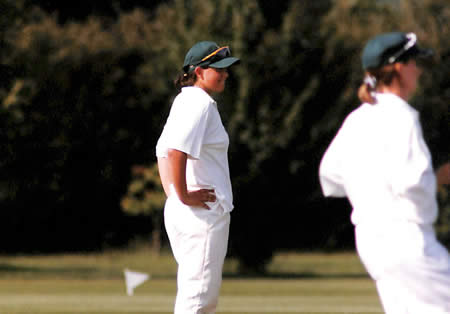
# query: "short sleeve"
184 130
331 166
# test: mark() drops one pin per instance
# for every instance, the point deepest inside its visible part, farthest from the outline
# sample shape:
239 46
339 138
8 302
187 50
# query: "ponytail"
373 79
185 79
366 92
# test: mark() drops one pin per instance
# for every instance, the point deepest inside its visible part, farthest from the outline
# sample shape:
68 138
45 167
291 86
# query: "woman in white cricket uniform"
379 160
193 165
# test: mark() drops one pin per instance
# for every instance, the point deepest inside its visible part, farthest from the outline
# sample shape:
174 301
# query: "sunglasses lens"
221 54
225 52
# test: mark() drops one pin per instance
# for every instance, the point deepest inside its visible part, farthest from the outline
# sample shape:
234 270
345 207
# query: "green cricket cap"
392 47
208 54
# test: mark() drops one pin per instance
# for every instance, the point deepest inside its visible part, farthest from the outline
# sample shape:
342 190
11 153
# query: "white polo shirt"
380 161
194 126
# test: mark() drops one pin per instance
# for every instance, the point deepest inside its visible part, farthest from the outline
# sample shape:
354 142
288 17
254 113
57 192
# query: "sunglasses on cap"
412 40
219 54
215 56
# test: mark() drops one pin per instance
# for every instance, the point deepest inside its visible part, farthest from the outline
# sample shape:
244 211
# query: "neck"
202 86
396 89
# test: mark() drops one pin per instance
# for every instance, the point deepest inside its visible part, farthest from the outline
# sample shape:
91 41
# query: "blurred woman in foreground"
380 161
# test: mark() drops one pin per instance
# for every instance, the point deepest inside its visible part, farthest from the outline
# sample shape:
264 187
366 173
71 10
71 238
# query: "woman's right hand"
198 198
177 167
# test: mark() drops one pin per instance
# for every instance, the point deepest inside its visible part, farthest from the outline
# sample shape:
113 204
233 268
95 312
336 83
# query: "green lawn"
94 283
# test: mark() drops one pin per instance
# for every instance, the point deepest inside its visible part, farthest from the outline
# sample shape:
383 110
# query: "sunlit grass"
110 265
94 283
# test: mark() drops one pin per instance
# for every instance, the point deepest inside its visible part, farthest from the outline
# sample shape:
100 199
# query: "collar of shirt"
194 91
393 100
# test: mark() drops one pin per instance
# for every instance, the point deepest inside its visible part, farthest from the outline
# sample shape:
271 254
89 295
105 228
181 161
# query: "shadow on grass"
294 276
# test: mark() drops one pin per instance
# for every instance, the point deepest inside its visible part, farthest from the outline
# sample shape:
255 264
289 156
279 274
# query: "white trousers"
410 267
199 240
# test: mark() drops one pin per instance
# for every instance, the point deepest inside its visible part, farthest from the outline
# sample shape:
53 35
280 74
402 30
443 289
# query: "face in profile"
409 74
212 80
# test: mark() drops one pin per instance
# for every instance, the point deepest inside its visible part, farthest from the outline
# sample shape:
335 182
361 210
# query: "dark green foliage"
71 122
83 102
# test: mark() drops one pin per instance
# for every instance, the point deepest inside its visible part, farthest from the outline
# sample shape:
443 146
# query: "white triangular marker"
133 279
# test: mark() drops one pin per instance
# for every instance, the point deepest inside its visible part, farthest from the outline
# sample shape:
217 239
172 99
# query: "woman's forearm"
177 168
164 174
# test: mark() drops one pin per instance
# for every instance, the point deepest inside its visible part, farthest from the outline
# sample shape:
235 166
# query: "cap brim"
418 52
224 63
425 53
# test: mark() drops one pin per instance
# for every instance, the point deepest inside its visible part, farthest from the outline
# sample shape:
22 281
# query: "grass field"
94 283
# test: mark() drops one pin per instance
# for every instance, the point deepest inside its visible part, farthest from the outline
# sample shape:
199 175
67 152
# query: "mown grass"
94 283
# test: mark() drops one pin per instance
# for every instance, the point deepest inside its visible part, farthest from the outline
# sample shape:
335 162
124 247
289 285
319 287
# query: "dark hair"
380 76
185 79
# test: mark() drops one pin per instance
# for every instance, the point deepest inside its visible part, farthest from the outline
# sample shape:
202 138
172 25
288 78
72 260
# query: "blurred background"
86 87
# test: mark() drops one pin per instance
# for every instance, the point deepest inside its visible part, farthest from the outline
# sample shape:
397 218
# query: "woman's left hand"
443 174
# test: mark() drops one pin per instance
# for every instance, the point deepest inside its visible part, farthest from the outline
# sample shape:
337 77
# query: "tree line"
83 101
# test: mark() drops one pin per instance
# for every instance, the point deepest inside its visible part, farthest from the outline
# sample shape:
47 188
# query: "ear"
199 72
398 66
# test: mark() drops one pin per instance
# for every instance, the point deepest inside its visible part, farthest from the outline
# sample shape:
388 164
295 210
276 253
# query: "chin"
220 89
